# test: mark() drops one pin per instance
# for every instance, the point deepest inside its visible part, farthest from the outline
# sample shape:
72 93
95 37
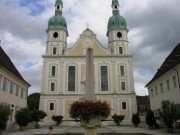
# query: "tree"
37 115
57 119
150 119
136 119
117 119
33 101
4 116
22 117
170 112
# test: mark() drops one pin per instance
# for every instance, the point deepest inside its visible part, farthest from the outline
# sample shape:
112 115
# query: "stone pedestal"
91 126
22 128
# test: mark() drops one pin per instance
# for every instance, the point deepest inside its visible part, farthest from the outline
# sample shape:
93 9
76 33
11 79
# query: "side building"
165 85
13 87
64 69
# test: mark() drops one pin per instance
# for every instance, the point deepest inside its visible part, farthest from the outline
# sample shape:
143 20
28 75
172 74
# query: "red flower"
88 109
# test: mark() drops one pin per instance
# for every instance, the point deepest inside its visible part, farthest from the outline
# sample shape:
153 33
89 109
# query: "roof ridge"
165 65
6 62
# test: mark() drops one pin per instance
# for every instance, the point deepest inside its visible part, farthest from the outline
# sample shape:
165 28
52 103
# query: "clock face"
55 35
119 35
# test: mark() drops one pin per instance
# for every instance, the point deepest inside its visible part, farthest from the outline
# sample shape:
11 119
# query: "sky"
154 31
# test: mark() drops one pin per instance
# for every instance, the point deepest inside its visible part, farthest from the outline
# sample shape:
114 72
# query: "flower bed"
88 109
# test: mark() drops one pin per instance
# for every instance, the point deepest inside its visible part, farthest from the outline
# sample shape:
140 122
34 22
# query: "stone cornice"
83 56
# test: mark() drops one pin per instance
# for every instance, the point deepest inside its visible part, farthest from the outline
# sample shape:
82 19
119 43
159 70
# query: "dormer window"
58 7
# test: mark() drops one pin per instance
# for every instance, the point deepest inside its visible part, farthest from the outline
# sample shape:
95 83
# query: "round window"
119 35
55 35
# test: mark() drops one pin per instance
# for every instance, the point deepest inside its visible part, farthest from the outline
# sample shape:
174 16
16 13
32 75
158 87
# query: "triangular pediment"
87 40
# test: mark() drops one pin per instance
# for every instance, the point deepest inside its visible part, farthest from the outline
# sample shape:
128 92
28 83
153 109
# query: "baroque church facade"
64 69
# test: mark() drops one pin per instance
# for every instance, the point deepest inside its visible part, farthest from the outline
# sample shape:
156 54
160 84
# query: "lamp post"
177 77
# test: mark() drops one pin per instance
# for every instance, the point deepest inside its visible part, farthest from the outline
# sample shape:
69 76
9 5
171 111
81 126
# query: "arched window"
52 86
54 50
124 105
120 50
123 86
104 78
51 106
71 78
53 70
122 71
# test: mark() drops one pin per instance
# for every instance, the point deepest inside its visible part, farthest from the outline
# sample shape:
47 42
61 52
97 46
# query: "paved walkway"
103 129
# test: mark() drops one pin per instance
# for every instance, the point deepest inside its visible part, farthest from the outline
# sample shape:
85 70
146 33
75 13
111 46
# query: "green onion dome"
57 21
59 2
116 21
115 2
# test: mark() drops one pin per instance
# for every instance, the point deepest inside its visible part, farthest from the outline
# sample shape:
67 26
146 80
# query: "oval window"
55 35
119 35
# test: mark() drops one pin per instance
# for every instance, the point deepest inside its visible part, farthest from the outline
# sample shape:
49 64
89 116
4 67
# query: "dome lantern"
116 21
58 21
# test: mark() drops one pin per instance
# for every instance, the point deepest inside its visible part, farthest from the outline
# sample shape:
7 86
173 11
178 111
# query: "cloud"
26 55
34 75
154 29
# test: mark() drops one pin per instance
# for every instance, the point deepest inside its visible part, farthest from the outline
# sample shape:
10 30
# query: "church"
64 68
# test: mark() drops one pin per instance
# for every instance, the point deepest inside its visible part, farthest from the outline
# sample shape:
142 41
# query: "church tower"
52 78
117 32
57 32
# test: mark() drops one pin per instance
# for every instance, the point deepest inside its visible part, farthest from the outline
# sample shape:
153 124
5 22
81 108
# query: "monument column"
90 89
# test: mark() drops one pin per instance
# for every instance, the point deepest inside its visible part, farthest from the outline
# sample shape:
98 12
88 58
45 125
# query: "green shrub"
37 115
4 116
136 119
57 119
22 117
150 119
117 119
170 112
